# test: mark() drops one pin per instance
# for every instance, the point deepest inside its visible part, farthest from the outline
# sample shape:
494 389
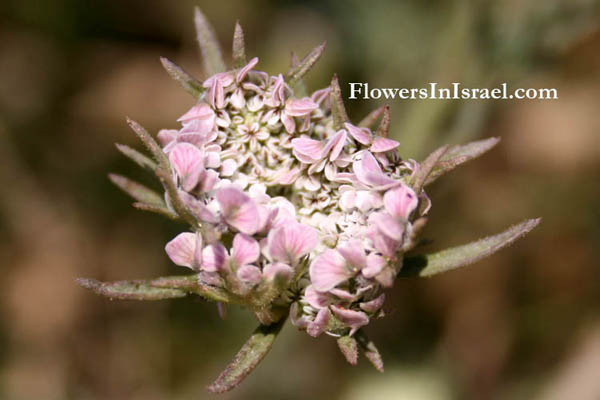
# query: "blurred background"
523 324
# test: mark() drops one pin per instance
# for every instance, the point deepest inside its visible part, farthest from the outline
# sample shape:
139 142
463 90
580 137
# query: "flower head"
291 207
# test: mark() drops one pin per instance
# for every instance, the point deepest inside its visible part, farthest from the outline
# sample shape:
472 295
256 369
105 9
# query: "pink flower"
328 270
238 210
185 250
315 298
318 152
243 72
297 108
244 252
278 272
353 319
373 305
198 208
375 265
399 203
320 96
278 92
216 85
378 144
291 242
369 173
319 324
382 242
333 267
202 113
188 163
198 128
364 200
166 136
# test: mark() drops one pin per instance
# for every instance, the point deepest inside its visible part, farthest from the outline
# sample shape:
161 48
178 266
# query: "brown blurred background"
524 324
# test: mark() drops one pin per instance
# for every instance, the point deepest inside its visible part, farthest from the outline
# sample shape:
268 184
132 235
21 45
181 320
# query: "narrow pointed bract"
174 198
130 290
384 126
156 289
136 157
426 168
431 264
150 143
457 155
239 47
136 190
251 353
370 119
370 350
297 72
209 45
349 348
156 208
187 82
337 104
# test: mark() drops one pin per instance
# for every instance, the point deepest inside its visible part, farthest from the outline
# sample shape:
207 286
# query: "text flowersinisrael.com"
454 91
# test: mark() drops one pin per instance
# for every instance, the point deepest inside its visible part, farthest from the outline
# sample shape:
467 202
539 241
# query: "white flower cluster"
294 210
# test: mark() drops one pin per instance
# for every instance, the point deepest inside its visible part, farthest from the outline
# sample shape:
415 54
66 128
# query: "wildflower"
292 209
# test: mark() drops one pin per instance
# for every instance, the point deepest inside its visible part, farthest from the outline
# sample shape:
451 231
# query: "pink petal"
343 294
187 161
352 319
374 266
216 88
373 305
166 136
347 200
337 145
366 200
289 176
381 145
361 135
386 277
278 93
214 257
400 201
208 180
237 99
298 319
249 274
384 244
329 270
307 150
354 253
300 107
223 78
316 299
182 249
238 210
278 272
368 171
391 227
245 250
200 111
266 216
197 208
290 242
319 325
320 95
247 68
288 122
228 167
